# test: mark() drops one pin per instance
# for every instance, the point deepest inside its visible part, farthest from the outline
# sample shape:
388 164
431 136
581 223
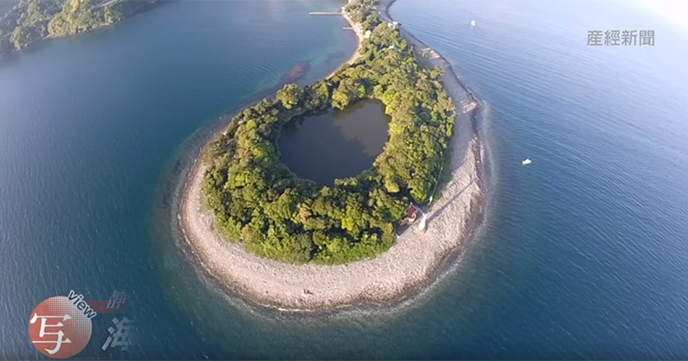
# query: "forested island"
259 202
30 21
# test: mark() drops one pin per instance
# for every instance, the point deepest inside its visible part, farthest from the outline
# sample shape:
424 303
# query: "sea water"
582 253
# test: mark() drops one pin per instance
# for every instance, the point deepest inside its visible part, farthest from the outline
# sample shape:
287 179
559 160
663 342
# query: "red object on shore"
412 213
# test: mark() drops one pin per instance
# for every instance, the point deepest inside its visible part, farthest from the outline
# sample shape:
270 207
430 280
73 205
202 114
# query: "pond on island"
335 143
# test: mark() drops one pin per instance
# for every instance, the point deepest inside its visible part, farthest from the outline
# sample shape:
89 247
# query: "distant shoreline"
413 262
5 54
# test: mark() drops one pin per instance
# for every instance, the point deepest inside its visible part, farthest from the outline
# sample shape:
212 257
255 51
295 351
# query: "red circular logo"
58 328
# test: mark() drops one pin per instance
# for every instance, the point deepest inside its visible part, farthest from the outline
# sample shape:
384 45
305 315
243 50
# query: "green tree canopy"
290 95
33 20
259 202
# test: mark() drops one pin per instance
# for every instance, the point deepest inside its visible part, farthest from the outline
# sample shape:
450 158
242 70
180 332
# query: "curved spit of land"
409 265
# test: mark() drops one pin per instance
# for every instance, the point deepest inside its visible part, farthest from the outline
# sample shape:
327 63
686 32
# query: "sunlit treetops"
256 199
33 20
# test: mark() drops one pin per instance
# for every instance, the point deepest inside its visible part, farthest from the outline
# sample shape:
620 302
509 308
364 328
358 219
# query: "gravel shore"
409 265
359 37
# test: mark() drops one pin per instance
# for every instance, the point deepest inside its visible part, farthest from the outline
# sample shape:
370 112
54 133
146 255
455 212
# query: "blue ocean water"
582 254
88 127
584 251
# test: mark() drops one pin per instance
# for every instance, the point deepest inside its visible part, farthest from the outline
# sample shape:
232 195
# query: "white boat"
526 162
472 22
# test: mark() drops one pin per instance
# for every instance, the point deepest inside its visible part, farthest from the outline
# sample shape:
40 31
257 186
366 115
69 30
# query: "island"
30 21
290 243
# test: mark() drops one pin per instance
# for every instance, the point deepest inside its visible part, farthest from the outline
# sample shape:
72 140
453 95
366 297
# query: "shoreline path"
412 263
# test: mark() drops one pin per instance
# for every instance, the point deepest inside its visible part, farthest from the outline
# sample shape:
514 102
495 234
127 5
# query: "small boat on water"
472 22
526 162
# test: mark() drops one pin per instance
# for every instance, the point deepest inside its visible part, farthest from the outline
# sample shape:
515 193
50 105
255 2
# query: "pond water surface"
335 143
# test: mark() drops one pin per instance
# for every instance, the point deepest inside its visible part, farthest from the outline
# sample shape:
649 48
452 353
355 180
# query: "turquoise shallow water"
583 253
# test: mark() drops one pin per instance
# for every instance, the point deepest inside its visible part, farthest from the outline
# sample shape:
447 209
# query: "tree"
318 96
19 37
340 99
370 22
290 95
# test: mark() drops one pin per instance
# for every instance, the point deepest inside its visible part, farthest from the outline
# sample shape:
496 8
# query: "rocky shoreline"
413 262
